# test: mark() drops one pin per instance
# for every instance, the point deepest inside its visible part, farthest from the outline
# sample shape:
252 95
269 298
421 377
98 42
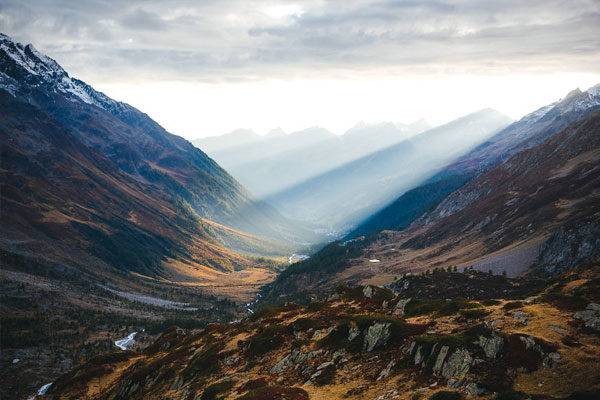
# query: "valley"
395 261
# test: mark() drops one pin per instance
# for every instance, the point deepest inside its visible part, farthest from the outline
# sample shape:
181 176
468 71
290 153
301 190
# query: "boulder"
368 291
399 310
492 345
439 362
333 297
296 356
591 316
377 335
458 364
386 371
419 356
353 333
474 389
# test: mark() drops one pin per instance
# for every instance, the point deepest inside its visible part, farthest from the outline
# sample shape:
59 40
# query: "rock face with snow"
23 66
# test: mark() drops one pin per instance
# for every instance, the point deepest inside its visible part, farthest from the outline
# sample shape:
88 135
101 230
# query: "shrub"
490 302
211 392
439 307
512 305
474 313
270 338
511 395
275 393
316 306
205 363
446 395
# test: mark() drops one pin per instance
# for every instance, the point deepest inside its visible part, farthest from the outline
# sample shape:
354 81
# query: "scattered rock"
418 356
591 316
458 365
325 365
377 335
399 310
368 291
333 297
353 333
558 329
520 316
295 357
492 345
386 371
551 360
439 362
474 389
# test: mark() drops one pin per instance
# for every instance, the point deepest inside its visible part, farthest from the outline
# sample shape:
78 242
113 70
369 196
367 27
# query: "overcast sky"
202 68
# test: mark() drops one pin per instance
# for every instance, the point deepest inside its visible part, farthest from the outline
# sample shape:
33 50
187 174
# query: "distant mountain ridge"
529 131
269 164
342 197
535 213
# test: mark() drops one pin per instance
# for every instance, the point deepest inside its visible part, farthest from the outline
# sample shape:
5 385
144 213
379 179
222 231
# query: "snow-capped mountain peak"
25 66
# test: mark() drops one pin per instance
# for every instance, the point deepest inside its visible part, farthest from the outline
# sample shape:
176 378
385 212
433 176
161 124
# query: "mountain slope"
135 143
346 195
440 337
108 222
275 162
530 130
542 204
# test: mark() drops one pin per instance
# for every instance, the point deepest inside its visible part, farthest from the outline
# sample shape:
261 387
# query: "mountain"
443 336
135 143
530 130
238 137
108 221
342 197
275 162
537 211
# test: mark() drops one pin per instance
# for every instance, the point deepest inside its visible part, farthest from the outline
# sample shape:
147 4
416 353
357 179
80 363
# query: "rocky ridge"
355 345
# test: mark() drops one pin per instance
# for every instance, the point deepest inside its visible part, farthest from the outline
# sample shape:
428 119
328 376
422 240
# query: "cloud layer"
212 40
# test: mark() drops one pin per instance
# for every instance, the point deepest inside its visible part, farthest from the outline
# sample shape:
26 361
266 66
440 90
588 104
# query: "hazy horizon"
207 69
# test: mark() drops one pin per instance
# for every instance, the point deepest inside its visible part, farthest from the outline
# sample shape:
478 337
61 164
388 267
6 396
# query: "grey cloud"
234 39
143 20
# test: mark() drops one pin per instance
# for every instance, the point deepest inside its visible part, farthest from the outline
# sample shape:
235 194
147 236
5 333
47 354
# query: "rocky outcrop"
353 332
591 316
491 346
368 291
567 248
333 297
439 362
295 357
458 365
399 310
521 317
377 335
